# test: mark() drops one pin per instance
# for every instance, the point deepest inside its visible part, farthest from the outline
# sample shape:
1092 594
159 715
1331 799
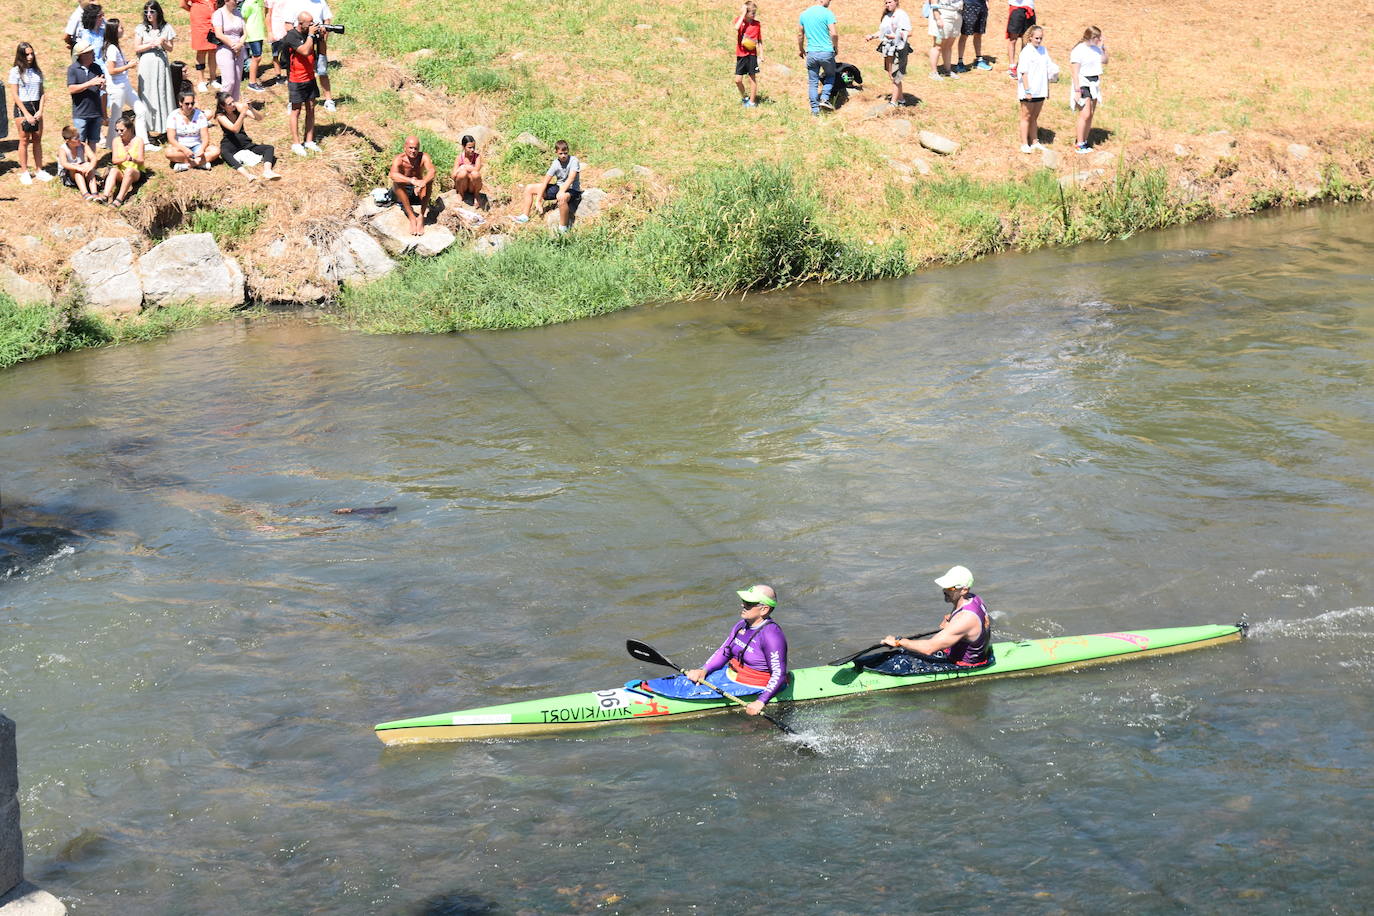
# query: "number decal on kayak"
617 703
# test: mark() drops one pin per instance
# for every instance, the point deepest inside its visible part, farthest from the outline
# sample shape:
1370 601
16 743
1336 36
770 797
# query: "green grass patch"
232 225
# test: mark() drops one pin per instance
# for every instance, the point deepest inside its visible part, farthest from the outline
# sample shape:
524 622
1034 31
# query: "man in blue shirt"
817 44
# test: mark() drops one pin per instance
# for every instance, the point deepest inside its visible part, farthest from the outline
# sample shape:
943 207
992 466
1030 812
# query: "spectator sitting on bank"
562 184
188 136
26 82
85 82
748 39
126 163
412 181
236 147
76 163
299 46
467 172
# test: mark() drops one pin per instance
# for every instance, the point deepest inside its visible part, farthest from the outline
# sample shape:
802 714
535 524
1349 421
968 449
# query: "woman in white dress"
1086 61
153 40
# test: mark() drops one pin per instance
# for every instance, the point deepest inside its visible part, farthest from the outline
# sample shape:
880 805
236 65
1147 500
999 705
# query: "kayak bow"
639 704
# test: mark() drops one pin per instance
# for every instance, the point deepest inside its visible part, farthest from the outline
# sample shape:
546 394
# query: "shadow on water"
457 903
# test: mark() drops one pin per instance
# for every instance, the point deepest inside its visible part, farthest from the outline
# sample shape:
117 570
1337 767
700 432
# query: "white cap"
957 577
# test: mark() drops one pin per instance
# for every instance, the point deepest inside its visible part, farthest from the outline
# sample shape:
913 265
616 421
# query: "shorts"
20 113
300 93
902 663
276 49
1019 19
1035 98
748 65
254 48
321 65
551 193
897 65
975 18
88 129
945 24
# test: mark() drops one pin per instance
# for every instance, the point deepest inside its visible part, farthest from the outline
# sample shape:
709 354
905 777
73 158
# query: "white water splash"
1341 623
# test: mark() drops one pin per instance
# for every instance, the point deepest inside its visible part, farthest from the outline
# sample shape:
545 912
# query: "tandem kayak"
638 702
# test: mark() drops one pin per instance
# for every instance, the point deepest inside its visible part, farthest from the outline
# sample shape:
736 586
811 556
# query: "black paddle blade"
647 653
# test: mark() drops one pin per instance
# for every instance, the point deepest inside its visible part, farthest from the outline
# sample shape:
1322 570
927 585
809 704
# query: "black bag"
849 76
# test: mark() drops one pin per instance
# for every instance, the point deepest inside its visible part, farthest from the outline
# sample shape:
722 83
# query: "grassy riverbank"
726 199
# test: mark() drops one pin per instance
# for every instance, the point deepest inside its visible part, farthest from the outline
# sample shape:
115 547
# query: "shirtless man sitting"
412 180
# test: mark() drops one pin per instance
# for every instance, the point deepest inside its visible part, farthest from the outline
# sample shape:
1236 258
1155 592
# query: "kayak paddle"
849 658
647 653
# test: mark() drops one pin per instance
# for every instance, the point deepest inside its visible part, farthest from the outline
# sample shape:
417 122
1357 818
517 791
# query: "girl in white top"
119 92
1086 61
188 136
1034 73
26 83
893 31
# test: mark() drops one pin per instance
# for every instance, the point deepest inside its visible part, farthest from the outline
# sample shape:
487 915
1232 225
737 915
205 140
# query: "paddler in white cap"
964 639
755 651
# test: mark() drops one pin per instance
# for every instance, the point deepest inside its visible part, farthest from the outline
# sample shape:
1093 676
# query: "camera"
333 28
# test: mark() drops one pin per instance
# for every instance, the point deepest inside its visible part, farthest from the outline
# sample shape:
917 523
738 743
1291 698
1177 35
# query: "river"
1171 430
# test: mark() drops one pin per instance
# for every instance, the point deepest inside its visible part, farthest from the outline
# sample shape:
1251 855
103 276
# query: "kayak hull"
575 712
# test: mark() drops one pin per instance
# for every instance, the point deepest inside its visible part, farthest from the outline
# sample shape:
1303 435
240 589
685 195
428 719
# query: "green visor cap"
756 595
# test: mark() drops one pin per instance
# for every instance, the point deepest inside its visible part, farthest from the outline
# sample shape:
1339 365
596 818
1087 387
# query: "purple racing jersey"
975 651
764 649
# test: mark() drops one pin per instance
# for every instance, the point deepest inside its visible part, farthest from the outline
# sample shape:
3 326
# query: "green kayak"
626 704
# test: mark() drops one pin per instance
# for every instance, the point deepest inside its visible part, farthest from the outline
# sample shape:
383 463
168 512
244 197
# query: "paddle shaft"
849 658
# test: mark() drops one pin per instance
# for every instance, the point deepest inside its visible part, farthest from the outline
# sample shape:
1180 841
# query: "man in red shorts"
1020 17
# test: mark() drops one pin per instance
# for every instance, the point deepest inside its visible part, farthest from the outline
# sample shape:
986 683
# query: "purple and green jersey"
763 649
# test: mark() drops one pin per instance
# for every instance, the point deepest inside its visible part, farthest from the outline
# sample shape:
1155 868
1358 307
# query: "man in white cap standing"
963 641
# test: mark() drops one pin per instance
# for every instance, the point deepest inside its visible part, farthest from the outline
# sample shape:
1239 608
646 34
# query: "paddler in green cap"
755 652
964 639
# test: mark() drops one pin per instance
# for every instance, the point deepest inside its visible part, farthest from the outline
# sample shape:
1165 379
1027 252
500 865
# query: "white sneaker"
42 175
1036 145
25 178
216 85
562 229
298 149
522 218
180 167
329 105
952 75
202 86
936 76
152 147
312 146
1026 149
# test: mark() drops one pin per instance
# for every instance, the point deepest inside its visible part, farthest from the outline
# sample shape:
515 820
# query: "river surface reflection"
1170 430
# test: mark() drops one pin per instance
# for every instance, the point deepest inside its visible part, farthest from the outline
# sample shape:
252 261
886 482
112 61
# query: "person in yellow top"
126 163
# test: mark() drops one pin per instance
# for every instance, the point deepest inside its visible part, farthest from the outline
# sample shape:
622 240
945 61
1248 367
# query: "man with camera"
299 46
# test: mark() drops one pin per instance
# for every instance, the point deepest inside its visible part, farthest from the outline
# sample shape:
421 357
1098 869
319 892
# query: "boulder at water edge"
191 267
105 270
23 290
355 257
391 226
591 208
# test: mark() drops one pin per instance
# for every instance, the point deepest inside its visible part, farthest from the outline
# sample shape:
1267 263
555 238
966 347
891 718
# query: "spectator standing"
76 163
88 27
302 90
188 136
412 181
86 84
229 56
818 42
321 13
1086 61
236 147
946 21
119 92
26 81
748 44
1020 17
976 24
126 162
254 34
467 171
201 12
1034 73
280 20
562 184
894 30
153 41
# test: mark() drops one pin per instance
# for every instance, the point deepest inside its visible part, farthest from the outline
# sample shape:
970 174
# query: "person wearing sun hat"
963 641
755 651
